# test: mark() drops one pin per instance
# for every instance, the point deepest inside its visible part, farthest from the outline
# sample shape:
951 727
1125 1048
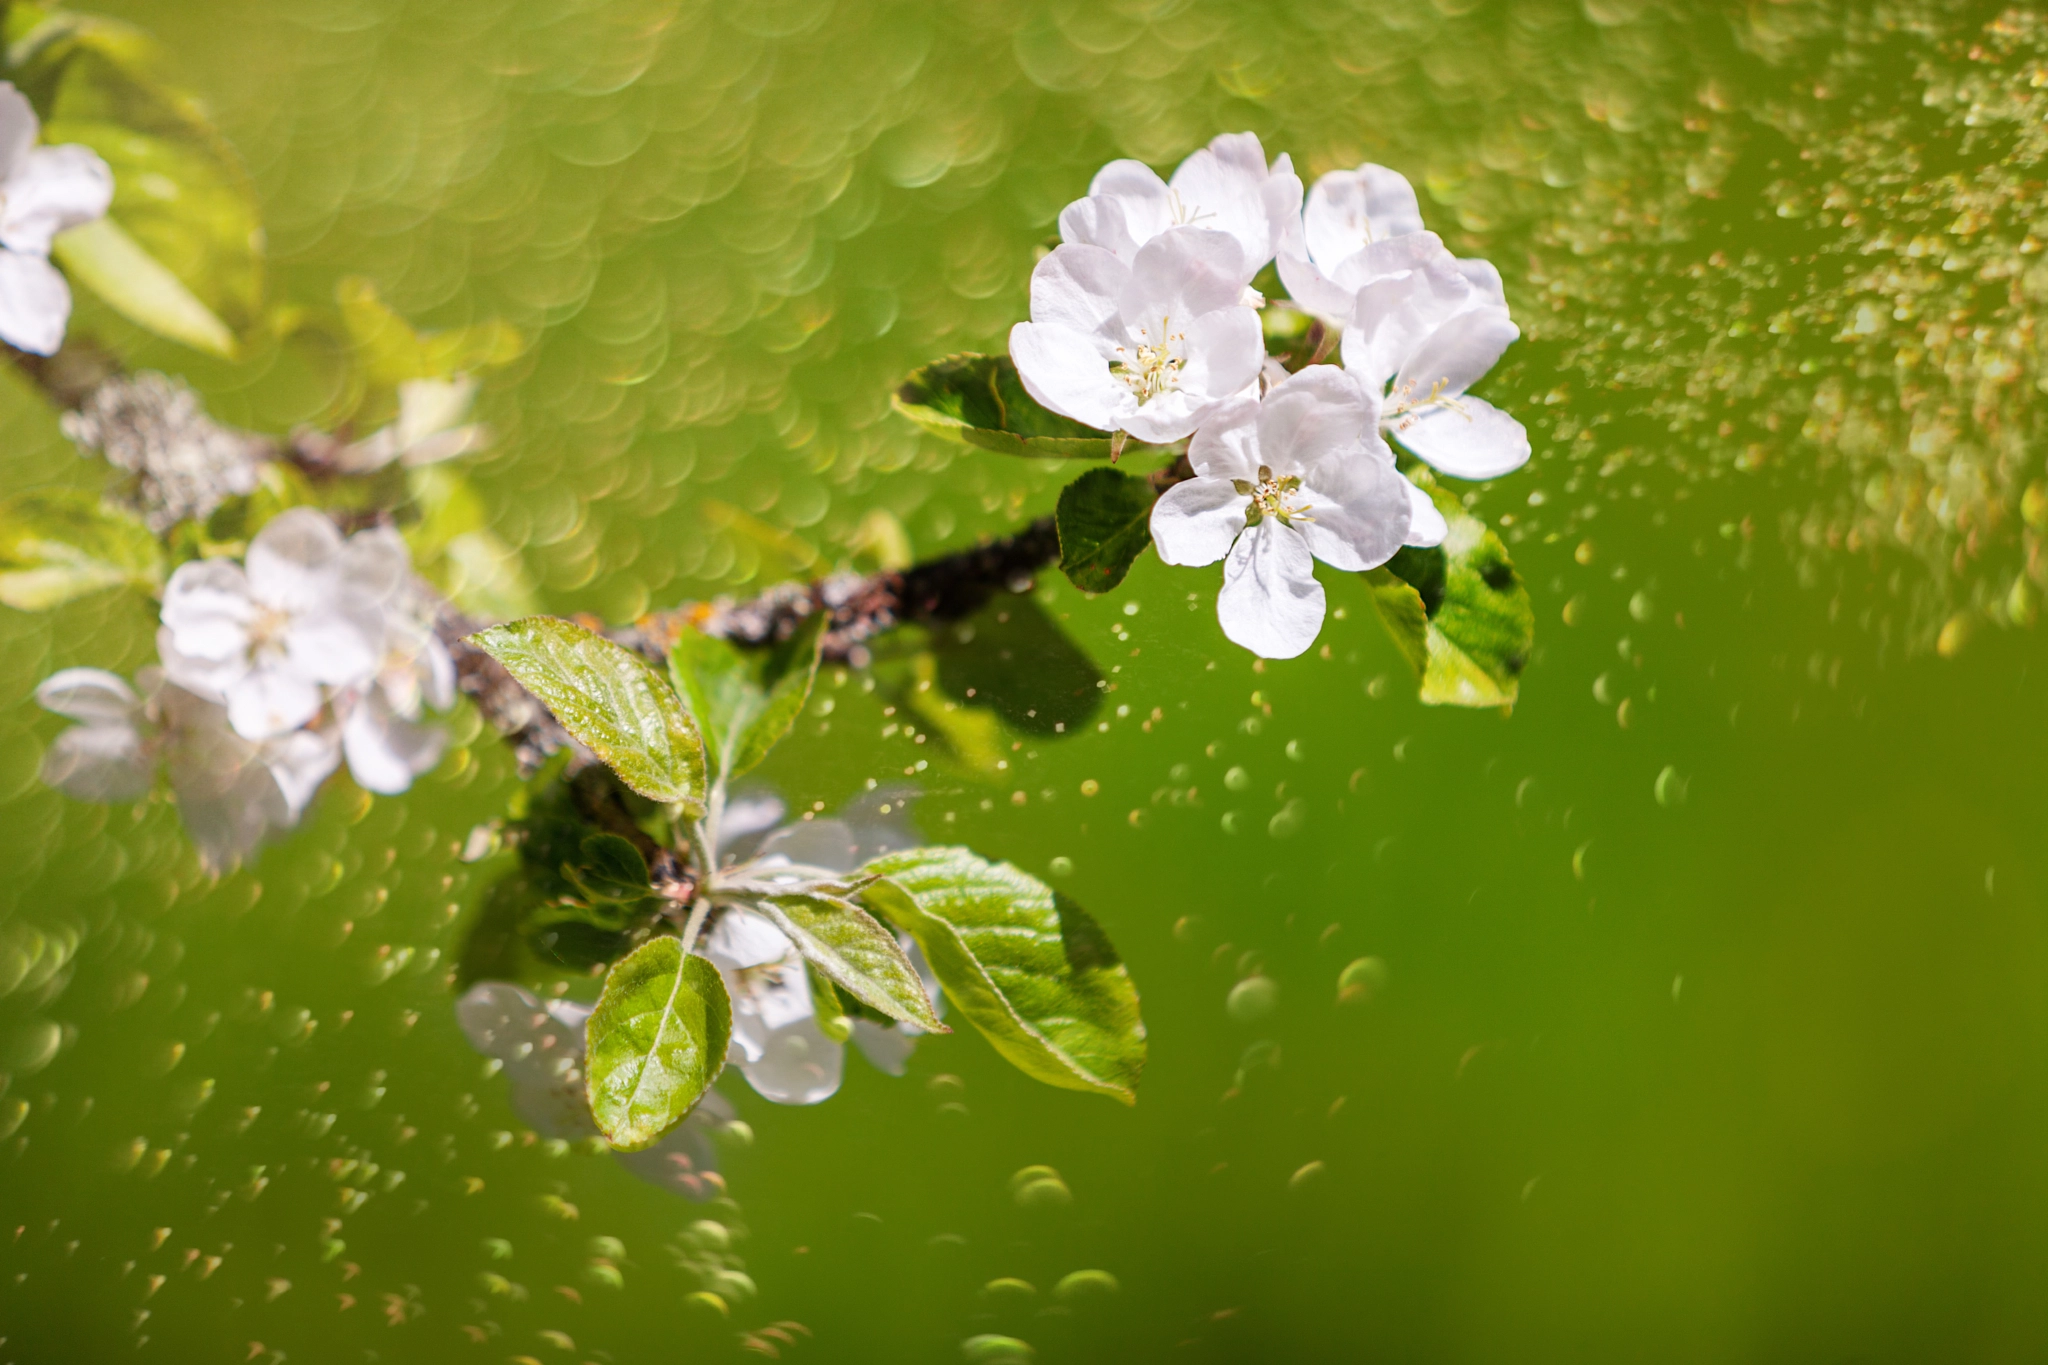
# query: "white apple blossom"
1340 243
1227 186
232 793
43 191
1149 347
1279 483
433 425
1422 338
264 638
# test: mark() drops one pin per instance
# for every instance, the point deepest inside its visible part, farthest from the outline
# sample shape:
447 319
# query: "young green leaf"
1028 967
833 1020
978 400
1459 611
62 544
106 260
608 868
656 1042
1105 522
845 943
745 702
607 697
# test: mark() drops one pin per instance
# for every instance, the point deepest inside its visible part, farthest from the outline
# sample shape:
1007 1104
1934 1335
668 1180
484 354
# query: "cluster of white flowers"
1143 321
43 191
314 650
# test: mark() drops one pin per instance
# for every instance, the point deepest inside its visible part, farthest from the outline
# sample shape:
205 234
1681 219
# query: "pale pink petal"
1195 522
1221 188
1457 353
386 751
1098 221
1223 353
1271 602
19 129
100 762
300 762
271 699
1358 512
1140 193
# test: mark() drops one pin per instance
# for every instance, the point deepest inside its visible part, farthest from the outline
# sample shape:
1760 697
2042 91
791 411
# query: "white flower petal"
1474 440
1195 522
1358 513
1312 291
830 844
375 562
385 750
796 1063
54 188
1390 320
1222 355
1077 287
1098 221
300 762
1063 370
433 407
887 1049
92 695
204 677
339 644
1179 275
293 562
19 129
742 939
1140 194
271 699
106 762
1227 446
1484 279
1349 210
1426 525
1457 353
35 303
1271 602
1317 414
1221 188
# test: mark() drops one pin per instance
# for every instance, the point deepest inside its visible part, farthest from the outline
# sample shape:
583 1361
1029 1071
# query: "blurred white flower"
43 190
1227 187
541 1048
262 639
1149 347
1279 484
1423 337
433 425
231 792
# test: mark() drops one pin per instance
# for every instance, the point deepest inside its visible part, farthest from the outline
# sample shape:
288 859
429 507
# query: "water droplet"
1670 787
1090 787
990 1349
1237 779
1305 1176
1288 820
1361 980
1084 1285
1252 999
1009 1289
1061 866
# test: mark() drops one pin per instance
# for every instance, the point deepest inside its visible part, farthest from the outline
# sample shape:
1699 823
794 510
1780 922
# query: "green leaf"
978 400
1105 522
608 868
391 351
62 544
1029 968
139 287
1459 611
607 697
833 1020
744 700
656 1042
845 943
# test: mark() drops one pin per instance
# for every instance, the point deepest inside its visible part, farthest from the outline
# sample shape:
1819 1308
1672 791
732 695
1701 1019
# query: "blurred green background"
1713 1024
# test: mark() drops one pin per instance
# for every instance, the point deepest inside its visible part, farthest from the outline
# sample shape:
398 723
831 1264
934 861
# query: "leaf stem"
696 924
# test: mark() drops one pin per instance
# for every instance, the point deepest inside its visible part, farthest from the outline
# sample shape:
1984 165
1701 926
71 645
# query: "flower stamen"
1273 497
1155 369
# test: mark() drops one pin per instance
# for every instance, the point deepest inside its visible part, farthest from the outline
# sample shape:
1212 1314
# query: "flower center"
1185 214
1154 368
1272 497
266 631
1402 402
